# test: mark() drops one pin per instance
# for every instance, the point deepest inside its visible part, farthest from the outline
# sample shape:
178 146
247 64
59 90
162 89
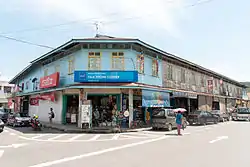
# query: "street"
223 144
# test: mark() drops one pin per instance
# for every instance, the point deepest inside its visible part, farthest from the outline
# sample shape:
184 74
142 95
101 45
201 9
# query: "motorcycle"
36 125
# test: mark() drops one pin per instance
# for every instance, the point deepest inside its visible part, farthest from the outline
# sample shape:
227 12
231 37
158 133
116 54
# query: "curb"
106 131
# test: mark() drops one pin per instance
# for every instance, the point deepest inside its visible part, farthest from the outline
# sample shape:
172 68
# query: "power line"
54 26
26 42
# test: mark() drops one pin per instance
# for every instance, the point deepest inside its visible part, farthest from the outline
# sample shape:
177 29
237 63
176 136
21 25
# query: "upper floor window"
46 72
183 77
140 64
193 78
94 61
202 80
118 61
155 68
169 72
71 66
57 68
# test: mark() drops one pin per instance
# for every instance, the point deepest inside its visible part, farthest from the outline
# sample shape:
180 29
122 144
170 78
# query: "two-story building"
114 75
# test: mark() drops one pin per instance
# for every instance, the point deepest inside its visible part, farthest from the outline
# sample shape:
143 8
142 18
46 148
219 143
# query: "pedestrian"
179 118
51 115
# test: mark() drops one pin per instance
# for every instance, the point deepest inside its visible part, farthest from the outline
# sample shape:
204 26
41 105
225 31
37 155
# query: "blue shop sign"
155 99
106 76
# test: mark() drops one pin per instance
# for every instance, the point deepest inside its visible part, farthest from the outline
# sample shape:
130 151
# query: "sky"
211 33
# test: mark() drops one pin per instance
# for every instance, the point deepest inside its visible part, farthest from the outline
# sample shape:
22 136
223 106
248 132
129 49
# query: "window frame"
45 72
140 65
169 71
117 56
94 56
155 67
71 66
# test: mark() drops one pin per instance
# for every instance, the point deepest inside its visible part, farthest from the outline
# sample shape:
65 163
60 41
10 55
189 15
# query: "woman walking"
179 118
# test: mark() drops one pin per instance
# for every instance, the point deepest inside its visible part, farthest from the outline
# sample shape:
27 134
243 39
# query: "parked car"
1 126
241 114
223 116
165 119
202 118
3 115
19 119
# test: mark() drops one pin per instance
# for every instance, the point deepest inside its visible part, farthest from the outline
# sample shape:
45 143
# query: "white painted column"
130 103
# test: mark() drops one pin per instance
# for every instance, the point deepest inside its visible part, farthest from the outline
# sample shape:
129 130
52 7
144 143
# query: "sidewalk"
74 129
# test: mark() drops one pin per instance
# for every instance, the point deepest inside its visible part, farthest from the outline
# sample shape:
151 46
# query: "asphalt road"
224 144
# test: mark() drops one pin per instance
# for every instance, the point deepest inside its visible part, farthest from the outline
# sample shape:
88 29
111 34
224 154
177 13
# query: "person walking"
179 118
51 115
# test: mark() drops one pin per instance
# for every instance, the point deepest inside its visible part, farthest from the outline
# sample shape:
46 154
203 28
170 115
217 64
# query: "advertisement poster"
155 99
86 112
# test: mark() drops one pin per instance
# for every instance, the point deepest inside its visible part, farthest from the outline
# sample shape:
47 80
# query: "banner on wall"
152 98
34 101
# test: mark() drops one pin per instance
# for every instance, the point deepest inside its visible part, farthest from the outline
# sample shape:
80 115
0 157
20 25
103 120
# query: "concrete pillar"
130 108
82 98
189 105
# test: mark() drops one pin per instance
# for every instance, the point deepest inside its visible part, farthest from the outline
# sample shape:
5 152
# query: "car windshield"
243 111
215 111
197 112
21 115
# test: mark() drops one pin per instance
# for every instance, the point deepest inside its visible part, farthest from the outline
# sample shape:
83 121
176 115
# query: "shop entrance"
193 105
72 109
215 105
105 109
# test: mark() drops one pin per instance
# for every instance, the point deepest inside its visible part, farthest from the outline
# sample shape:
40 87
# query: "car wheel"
169 127
216 121
154 128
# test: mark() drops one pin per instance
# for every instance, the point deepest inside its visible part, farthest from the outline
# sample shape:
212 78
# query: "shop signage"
34 101
106 76
48 96
49 81
155 99
185 94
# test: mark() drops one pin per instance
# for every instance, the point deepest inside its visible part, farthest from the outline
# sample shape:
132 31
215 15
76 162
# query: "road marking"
218 139
56 137
1 153
115 137
67 159
135 137
95 137
14 145
12 134
76 137
41 135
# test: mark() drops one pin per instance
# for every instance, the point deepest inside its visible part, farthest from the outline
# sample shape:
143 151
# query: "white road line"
135 137
95 137
1 153
67 159
56 137
115 137
218 139
76 137
38 136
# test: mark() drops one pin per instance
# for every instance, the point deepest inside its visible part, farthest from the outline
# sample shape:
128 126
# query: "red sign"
10 103
48 96
34 101
17 104
49 81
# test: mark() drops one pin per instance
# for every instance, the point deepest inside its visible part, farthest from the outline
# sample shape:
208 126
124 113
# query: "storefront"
185 100
205 102
41 103
106 104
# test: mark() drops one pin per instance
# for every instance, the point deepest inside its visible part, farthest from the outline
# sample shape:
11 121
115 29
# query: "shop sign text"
49 81
106 76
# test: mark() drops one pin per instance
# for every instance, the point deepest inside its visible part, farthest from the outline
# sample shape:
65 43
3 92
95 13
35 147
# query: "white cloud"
149 14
